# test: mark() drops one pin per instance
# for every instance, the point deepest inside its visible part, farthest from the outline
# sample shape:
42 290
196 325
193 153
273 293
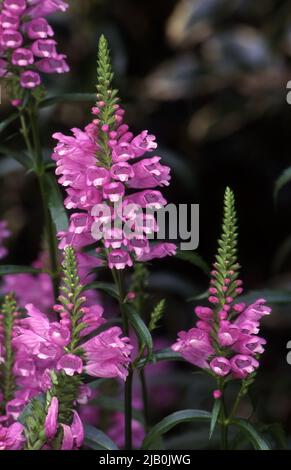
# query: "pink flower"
149 173
248 344
39 29
228 333
160 250
51 421
220 366
118 259
46 7
23 27
194 345
70 363
242 365
11 437
107 354
143 143
44 48
22 57
29 79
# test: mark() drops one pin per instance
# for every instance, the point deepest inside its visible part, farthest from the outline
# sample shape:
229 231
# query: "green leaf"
13 269
8 121
68 98
105 287
215 414
142 332
251 433
283 179
166 424
56 204
98 440
162 355
195 259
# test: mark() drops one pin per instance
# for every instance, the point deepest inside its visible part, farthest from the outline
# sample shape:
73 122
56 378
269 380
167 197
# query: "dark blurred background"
208 78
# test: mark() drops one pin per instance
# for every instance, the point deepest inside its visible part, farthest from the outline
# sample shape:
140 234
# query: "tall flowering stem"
225 341
8 317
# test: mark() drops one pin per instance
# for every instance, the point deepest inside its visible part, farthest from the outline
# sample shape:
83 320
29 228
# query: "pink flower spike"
70 364
51 421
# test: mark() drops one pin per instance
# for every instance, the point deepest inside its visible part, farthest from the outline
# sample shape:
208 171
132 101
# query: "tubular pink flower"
11 437
119 259
160 250
55 64
242 365
11 39
16 7
68 439
44 48
22 57
149 173
46 7
39 29
29 79
194 345
77 430
51 421
70 364
108 354
220 366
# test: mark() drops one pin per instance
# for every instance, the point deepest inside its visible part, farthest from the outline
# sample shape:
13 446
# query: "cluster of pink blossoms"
237 345
26 44
128 182
42 346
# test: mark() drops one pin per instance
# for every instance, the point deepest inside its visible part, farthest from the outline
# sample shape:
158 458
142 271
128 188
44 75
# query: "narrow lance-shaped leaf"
98 440
56 204
251 433
166 424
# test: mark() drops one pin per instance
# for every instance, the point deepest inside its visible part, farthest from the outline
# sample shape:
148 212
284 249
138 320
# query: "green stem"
145 398
128 383
223 426
8 310
35 151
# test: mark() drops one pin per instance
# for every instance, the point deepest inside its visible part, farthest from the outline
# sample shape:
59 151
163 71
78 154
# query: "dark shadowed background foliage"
208 77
